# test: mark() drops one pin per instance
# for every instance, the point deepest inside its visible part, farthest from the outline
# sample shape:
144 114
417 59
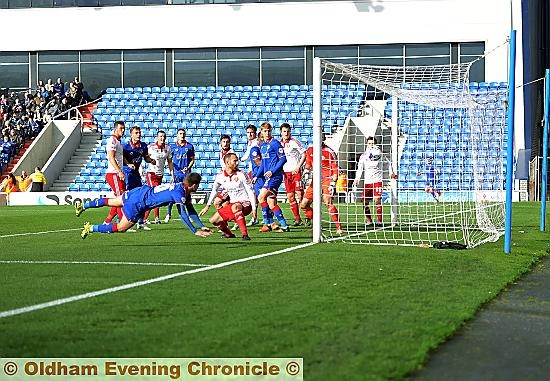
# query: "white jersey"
237 185
370 166
160 154
246 156
222 155
113 144
294 150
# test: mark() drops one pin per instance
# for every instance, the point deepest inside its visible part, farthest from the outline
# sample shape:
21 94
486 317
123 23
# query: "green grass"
353 312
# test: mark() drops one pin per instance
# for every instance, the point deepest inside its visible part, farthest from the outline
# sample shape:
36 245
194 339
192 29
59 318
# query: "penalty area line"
93 294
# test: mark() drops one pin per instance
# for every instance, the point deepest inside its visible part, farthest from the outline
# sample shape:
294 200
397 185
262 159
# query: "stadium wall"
278 24
268 24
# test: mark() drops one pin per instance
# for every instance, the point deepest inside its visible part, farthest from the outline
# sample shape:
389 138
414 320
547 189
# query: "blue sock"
265 213
269 217
279 215
170 208
103 228
98 203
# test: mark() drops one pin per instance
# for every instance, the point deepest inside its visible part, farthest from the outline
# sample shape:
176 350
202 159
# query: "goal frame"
317 142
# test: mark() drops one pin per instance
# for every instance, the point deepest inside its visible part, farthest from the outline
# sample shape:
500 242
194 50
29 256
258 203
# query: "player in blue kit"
256 161
271 168
431 172
134 151
137 201
183 158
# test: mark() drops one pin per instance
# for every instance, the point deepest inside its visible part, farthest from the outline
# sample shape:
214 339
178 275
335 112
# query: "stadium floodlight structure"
416 113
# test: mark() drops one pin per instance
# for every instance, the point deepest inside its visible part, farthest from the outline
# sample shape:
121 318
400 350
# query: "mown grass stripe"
102 263
88 295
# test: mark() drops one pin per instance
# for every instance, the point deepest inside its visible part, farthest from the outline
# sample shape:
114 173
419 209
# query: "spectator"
8 147
23 181
59 87
18 108
52 107
16 137
4 102
38 180
13 96
34 127
64 106
9 184
29 103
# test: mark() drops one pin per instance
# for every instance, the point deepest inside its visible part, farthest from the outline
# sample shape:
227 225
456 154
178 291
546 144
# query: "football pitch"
352 312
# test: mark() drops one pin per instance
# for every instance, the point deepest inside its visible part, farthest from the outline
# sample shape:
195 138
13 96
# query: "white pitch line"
88 295
103 263
35 233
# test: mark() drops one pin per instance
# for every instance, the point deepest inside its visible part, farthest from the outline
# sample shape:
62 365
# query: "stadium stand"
434 132
206 113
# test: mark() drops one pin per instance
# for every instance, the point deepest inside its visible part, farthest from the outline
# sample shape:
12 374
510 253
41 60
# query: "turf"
353 312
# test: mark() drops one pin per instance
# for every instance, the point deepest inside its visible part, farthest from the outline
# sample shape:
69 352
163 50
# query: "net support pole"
394 159
317 141
510 151
544 177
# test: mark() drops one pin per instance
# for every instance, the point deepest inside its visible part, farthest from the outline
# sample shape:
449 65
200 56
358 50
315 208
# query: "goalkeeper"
329 175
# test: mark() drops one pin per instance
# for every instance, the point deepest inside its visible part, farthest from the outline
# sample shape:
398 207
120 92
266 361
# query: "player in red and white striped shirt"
114 175
241 198
295 158
162 154
225 148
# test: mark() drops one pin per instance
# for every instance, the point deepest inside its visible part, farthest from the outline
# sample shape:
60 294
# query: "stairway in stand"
15 159
90 140
87 118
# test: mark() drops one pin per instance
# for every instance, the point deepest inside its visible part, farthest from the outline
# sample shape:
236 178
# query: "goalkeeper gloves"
331 187
306 178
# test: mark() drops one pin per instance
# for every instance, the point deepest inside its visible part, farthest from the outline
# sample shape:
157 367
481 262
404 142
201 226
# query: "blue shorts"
179 176
273 183
133 178
258 185
133 207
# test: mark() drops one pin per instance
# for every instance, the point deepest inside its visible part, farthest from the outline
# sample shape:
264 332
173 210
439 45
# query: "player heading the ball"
136 202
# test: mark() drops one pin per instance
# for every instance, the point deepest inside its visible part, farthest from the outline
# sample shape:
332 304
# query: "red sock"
367 214
239 219
379 212
295 210
115 227
112 214
225 229
308 212
146 215
334 214
119 213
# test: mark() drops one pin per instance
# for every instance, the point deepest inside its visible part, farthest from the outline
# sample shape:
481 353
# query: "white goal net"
421 154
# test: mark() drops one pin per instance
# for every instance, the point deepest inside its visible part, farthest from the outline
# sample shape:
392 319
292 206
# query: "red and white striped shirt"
160 153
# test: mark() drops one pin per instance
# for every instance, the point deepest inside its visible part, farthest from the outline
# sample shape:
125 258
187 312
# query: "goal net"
421 154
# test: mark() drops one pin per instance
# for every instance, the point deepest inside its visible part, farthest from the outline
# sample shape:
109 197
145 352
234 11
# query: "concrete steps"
89 141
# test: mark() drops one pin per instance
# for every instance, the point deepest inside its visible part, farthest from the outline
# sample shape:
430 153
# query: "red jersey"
329 161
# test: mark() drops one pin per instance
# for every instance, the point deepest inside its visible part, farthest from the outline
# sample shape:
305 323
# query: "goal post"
437 168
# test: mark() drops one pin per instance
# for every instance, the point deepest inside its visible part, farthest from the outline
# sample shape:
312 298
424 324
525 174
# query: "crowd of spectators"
24 114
